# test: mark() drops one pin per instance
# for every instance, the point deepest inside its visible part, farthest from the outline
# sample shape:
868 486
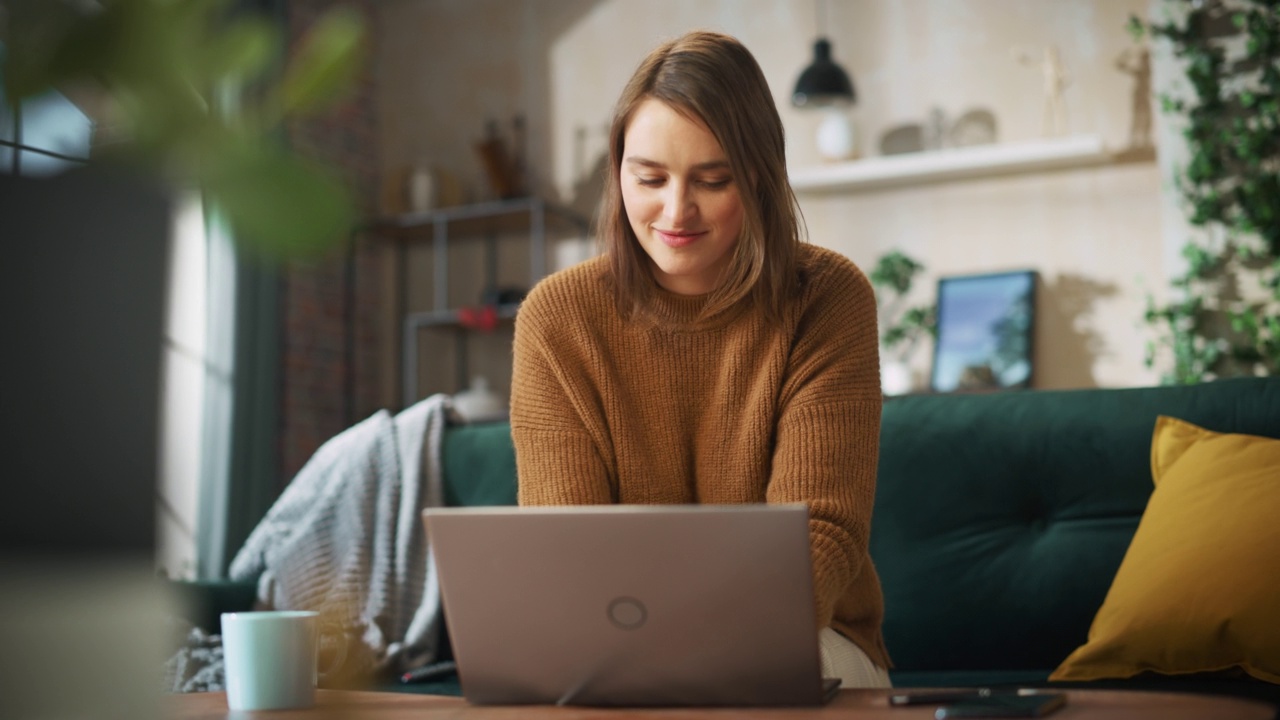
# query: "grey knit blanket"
346 539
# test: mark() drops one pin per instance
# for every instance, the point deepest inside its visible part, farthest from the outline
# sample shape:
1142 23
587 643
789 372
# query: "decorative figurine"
1056 80
1136 61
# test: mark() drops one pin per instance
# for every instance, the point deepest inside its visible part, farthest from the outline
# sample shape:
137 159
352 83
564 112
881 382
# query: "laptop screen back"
630 605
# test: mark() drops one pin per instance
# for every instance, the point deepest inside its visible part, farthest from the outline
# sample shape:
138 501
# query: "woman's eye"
716 184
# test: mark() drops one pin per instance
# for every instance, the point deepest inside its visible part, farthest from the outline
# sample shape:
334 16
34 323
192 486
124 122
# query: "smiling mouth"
678 238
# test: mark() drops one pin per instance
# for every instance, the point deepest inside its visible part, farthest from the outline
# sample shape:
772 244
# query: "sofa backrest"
479 465
1001 519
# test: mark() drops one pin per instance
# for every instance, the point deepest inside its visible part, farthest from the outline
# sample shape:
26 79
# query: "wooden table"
861 704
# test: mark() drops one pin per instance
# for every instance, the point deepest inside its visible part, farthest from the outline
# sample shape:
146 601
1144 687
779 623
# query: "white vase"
836 137
422 190
895 378
479 403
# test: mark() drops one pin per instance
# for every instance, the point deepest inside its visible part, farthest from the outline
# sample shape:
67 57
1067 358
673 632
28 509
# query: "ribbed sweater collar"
681 313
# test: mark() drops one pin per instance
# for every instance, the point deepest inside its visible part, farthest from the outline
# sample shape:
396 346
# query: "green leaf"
55 43
1137 28
326 63
895 271
892 337
280 205
244 50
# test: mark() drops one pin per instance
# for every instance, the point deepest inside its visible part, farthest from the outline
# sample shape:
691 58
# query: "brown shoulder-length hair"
712 78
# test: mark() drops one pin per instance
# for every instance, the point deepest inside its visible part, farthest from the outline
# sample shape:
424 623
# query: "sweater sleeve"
553 427
828 431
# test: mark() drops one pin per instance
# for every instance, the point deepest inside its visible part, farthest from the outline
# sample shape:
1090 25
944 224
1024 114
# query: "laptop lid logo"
627 613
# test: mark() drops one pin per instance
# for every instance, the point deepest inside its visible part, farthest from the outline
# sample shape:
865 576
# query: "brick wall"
323 389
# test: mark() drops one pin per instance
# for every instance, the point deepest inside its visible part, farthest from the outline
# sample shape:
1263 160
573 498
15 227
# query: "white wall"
445 66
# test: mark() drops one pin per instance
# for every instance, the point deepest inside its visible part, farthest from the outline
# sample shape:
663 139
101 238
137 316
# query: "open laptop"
629 605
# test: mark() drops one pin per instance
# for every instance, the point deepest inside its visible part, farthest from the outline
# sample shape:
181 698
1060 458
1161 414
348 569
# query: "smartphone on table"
940 697
1030 705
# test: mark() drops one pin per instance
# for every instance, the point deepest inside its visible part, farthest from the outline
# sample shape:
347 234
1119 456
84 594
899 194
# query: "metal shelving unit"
531 217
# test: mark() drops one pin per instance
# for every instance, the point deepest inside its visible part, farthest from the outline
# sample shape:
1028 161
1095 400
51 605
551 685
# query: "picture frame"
986 332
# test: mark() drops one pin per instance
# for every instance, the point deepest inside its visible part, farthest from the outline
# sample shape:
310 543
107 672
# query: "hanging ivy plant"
1225 317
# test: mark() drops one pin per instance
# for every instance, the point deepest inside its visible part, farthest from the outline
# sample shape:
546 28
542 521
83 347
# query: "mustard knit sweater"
728 409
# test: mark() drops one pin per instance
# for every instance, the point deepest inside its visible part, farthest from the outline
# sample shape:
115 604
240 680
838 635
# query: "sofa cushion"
1001 519
1198 589
479 464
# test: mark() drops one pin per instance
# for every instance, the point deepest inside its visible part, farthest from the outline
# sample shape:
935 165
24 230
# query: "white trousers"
843 659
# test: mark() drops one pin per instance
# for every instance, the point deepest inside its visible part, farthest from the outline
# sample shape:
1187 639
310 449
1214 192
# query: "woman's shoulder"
585 279
836 307
578 290
824 272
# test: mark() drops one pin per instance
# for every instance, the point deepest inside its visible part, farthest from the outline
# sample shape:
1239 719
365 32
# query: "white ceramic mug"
270 659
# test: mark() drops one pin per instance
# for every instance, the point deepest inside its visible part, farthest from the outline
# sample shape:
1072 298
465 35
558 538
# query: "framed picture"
986 326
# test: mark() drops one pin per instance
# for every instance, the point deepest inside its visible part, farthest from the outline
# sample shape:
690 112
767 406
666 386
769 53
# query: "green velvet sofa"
1000 521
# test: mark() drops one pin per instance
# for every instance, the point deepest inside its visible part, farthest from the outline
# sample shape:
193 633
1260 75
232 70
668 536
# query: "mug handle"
329 627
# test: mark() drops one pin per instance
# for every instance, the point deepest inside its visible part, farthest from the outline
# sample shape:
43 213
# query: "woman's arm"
558 456
828 430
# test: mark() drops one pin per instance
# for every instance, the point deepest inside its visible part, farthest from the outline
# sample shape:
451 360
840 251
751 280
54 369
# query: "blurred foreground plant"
190 92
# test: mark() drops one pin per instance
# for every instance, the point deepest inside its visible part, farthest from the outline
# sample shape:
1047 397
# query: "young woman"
708 356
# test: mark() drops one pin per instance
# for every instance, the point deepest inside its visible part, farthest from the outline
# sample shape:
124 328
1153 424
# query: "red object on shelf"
483 318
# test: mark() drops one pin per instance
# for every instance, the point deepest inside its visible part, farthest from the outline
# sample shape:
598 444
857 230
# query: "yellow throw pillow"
1199 588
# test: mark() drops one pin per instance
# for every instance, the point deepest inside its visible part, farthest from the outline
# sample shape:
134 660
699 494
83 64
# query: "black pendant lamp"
823 83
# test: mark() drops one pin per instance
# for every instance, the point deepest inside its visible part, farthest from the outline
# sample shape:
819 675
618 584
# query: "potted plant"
902 326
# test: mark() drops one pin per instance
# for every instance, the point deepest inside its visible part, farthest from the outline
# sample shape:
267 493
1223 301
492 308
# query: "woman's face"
681 197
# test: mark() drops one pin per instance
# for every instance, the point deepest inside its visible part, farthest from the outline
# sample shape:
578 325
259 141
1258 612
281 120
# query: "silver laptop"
628 605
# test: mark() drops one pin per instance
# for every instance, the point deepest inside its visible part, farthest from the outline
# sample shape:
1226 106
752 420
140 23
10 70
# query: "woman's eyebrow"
646 162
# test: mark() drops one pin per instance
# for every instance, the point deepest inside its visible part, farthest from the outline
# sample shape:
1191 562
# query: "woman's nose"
679 204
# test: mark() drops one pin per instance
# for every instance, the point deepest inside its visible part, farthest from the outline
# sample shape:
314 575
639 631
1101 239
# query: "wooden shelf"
961 163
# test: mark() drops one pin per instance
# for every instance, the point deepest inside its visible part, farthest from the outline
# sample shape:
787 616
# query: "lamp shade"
823 82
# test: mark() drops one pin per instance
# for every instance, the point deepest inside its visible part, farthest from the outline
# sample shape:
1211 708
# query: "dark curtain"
232 505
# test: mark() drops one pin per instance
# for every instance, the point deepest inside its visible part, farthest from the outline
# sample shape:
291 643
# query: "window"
50 135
